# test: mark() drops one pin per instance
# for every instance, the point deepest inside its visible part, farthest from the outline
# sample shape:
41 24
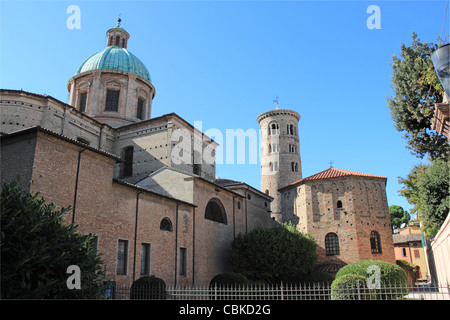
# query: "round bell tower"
280 153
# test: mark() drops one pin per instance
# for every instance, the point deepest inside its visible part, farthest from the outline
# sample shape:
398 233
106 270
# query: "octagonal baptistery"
113 86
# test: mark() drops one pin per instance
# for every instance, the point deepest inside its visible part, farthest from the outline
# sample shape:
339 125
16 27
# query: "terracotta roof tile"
334 173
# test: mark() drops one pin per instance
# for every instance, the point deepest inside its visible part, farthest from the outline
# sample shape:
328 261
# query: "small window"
165 225
110 41
332 244
83 100
127 165
93 243
140 112
267 192
145 259
339 204
416 254
123 42
183 262
122 257
117 40
112 100
249 196
403 252
375 243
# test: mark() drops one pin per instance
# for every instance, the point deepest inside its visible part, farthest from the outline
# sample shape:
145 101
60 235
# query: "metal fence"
312 291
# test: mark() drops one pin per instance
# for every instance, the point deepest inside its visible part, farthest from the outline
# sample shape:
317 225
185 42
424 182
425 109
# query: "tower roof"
334 173
276 112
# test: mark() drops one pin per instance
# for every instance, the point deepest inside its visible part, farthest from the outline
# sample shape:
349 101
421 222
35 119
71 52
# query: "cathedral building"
156 210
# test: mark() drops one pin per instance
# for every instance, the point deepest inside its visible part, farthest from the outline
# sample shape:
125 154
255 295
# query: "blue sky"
223 62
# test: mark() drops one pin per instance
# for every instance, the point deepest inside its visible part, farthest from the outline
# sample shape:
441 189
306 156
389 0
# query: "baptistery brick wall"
313 206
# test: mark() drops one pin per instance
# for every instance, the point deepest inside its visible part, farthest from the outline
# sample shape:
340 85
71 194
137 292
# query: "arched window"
339 204
375 243
140 109
215 211
165 225
332 244
274 129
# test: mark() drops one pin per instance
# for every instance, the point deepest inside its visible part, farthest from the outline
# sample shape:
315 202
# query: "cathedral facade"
154 210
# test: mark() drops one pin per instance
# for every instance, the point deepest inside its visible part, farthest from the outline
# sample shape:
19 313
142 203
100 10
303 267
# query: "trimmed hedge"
148 288
390 274
350 287
392 279
229 279
318 277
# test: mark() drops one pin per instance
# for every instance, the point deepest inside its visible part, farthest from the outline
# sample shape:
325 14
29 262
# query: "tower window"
110 41
375 243
292 148
140 114
117 40
291 129
294 166
83 100
332 244
274 129
339 204
112 100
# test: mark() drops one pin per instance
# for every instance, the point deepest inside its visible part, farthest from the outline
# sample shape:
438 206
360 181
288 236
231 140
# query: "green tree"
427 187
276 254
416 90
398 216
37 249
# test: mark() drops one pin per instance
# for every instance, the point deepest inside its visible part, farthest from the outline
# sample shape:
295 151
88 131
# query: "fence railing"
312 291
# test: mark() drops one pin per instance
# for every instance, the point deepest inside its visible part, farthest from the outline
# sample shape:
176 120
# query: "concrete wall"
439 254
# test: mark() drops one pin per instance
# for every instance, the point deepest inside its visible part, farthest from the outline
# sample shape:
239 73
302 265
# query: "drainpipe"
63 121
76 186
176 244
234 220
135 234
193 245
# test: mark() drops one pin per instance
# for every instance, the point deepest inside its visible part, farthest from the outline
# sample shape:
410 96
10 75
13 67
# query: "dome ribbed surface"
115 58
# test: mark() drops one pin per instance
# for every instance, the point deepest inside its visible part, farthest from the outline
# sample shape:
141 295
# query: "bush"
221 284
148 288
318 277
274 254
37 248
229 279
350 287
390 274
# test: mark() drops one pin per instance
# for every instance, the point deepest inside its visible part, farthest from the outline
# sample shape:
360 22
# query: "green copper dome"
115 58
